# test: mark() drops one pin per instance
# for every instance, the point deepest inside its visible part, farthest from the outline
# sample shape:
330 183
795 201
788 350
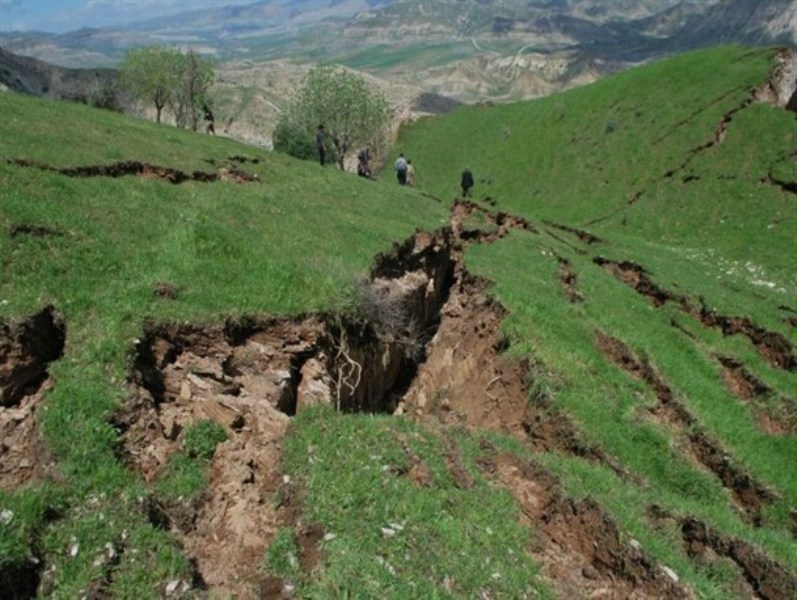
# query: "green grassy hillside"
597 392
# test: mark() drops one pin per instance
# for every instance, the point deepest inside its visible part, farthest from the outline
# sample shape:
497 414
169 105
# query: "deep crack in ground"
227 172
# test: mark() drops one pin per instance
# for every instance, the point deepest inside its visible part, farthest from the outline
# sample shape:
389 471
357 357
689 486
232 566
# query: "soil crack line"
749 494
773 347
770 579
225 173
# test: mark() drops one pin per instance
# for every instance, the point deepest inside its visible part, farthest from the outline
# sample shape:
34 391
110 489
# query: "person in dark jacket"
401 169
466 182
363 162
321 143
210 121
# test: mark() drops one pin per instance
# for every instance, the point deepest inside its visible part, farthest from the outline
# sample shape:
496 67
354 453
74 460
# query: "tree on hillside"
353 114
148 74
167 77
193 77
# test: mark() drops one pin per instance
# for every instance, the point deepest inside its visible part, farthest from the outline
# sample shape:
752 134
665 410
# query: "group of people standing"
405 171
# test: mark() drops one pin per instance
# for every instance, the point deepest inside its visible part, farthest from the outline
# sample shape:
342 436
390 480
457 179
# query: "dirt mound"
26 350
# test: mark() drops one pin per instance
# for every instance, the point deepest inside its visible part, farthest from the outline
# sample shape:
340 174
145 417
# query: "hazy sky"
58 16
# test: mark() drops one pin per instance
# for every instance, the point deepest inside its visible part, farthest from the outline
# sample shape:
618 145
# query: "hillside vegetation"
227 373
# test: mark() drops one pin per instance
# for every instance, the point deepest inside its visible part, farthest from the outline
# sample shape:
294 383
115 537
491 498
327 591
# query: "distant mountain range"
466 50
609 30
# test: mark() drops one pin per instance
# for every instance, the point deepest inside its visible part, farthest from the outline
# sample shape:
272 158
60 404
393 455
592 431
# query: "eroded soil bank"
426 343
26 350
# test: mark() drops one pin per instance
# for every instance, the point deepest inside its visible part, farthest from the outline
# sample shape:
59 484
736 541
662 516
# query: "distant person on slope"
410 173
401 169
210 121
321 143
363 159
466 182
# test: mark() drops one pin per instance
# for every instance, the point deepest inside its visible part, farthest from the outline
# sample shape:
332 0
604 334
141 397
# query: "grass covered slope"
599 395
658 291
109 253
635 154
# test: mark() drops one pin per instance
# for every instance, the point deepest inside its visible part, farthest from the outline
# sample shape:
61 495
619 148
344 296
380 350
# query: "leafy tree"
148 74
167 77
291 136
193 77
353 114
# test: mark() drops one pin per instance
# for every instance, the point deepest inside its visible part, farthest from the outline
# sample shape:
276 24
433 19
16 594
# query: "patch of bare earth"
493 226
26 350
749 495
466 379
569 281
248 377
769 579
227 172
578 545
774 415
772 346
584 236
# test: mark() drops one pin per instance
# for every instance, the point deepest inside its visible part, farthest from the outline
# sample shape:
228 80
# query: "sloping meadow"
580 383
656 304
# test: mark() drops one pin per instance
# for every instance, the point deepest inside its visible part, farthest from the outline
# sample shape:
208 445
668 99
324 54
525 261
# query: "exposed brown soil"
464 380
569 281
247 377
704 557
638 278
498 224
26 350
577 544
582 235
740 381
772 346
769 579
773 414
224 173
749 494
